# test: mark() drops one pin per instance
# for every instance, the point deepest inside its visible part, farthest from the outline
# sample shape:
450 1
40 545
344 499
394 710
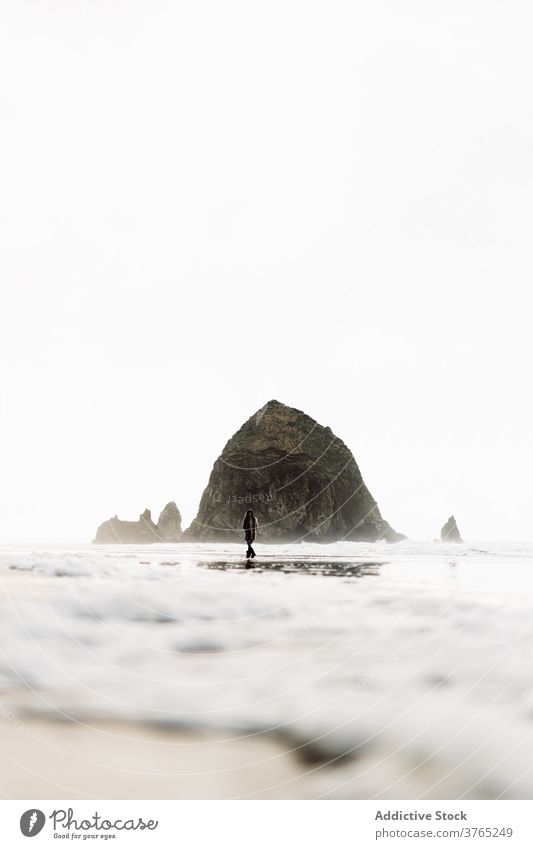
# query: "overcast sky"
207 205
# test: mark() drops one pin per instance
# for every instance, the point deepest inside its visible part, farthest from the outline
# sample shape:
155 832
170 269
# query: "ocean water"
386 670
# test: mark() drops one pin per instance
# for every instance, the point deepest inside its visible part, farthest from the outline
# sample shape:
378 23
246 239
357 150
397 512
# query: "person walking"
250 530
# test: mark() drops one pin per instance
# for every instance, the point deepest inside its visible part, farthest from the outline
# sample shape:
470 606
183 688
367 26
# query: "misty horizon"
187 519
353 241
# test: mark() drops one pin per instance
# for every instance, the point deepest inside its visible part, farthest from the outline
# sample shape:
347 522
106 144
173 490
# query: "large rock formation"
450 532
168 528
301 480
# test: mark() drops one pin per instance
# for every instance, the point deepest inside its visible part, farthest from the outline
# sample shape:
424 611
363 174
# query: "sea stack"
299 478
450 531
168 528
169 522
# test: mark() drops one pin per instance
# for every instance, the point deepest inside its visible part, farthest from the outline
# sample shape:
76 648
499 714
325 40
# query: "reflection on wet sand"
334 568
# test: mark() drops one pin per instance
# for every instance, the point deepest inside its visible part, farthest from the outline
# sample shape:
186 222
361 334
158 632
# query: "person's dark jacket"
250 527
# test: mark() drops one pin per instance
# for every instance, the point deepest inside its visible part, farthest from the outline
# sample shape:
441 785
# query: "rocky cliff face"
450 531
300 479
168 528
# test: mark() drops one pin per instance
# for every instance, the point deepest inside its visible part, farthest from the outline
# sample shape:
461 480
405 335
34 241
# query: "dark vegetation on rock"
168 528
450 531
300 479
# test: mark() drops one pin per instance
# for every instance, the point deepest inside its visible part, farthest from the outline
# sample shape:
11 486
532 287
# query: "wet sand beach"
342 671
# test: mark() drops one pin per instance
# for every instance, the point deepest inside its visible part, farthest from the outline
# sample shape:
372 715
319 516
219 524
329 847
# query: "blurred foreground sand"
56 760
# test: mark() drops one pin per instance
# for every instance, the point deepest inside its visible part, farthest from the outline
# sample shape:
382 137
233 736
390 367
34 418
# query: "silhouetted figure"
250 528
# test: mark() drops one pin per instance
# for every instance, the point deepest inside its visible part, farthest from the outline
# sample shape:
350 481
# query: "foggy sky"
208 205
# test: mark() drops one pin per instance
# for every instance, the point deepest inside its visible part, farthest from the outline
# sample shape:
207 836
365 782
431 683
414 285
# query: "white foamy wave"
385 660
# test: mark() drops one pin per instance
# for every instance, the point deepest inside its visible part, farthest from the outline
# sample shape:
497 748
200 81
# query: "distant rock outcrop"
450 531
169 522
168 528
301 480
